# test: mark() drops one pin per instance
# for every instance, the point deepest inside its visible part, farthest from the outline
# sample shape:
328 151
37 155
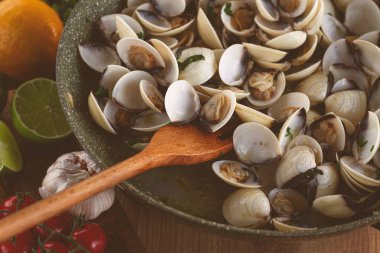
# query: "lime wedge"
36 112
10 156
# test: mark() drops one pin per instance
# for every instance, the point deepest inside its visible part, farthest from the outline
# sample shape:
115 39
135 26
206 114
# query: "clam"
170 73
179 24
153 21
367 138
305 140
287 202
288 41
374 101
324 184
218 111
339 51
346 78
362 16
279 66
111 75
335 206
296 166
109 26
168 9
311 116
196 65
333 29
329 130
139 55
312 11
247 114
117 116
152 96
127 90
247 208
315 87
350 104
266 54
149 121
286 224
236 174
98 115
212 90
365 174
238 18
124 30
305 52
268 10
170 42
265 88
98 56
292 127
315 23
301 72
259 148
330 8
287 104
207 31
234 65
186 38
373 37
369 55
272 28
182 102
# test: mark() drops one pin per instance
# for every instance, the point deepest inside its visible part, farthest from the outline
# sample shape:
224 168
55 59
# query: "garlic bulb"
70 169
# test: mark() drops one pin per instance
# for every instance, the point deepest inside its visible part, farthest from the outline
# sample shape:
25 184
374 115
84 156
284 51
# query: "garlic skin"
70 169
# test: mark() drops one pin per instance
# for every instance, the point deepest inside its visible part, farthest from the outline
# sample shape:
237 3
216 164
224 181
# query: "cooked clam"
287 202
362 17
98 115
248 114
288 41
365 174
266 54
212 90
315 87
152 96
335 206
286 224
287 104
374 101
111 75
149 121
109 26
98 56
168 9
238 18
324 184
305 140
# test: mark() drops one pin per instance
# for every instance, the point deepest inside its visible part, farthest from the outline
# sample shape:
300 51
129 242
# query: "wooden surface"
160 233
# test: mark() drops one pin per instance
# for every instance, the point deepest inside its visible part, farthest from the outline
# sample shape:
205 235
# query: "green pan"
193 194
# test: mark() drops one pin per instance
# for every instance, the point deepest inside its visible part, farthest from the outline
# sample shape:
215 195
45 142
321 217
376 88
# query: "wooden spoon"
171 145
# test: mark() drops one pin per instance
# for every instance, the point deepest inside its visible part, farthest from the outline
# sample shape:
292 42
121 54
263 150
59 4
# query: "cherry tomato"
22 243
92 237
53 246
10 204
60 223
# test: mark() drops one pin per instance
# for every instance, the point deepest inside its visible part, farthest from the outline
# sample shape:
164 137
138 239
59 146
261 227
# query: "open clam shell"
287 202
306 51
237 17
288 41
128 28
315 87
363 173
286 224
338 52
117 116
149 121
152 96
179 25
373 37
272 28
234 65
109 26
334 206
367 138
182 102
207 31
264 53
268 10
213 90
168 9
260 148
333 29
98 56
170 42
236 174
218 111
265 88
247 207
301 72
353 76
324 184
374 101
248 114
111 75
150 19
279 66
305 140
293 126
369 55
98 115
287 104
127 90
362 17
197 65
313 8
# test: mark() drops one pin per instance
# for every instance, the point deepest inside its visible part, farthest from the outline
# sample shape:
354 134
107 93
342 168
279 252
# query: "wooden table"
160 233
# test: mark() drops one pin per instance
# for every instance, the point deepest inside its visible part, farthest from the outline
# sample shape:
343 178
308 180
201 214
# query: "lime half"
36 112
10 157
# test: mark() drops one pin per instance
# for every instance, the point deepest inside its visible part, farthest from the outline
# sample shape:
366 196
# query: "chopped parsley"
372 148
141 35
227 9
101 92
188 61
361 142
289 133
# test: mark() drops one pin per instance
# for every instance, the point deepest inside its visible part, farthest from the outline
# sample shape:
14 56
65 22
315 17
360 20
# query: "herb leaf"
289 133
188 61
227 9
361 141
372 148
101 92
141 35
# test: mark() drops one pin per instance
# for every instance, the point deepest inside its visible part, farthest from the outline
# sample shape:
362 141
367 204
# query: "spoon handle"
58 203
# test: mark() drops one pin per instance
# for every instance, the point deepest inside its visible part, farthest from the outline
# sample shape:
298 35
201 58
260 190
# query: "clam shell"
227 19
279 66
369 55
170 73
352 75
315 87
373 37
198 72
305 140
287 104
108 25
186 38
288 41
374 102
327 183
293 126
364 174
149 121
98 115
362 17
278 197
174 31
111 75
312 116
333 29
338 52
264 53
367 138
168 9
150 19
247 114
98 56
298 11
306 51
280 223
302 72
261 148
170 42
152 96
251 182
272 28
207 31
182 102
239 94
315 24
127 90
312 8
350 104
123 29
268 10
112 113
247 207
334 206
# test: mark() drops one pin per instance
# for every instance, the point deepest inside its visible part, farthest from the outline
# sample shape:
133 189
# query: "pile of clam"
302 77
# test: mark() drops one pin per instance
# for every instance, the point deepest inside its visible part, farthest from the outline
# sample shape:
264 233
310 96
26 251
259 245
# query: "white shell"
98 115
170 42
287 104
279 66
210 91
352 75
259 148
67 171
264 53
198 72
108 24
247 207
313 7
111 75
98 57
280 224
288 41
175 31
334 206
328 182
251 182
302 72
149 121
272 28
152 20
207 31
149 91
268 10
123 29
248 114
306 51
296 199
127 90
168 9
362 16
338 52
369 55
333 29
233 65
182 102
374 101
315 87
227 19
305 140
